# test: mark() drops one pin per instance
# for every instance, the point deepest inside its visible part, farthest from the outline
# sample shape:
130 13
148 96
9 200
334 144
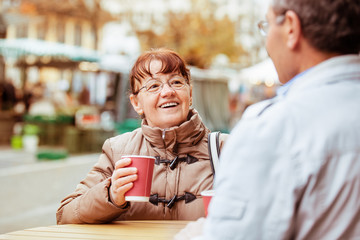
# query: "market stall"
50 61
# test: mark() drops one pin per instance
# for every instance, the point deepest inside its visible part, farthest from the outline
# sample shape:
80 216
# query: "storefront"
72 83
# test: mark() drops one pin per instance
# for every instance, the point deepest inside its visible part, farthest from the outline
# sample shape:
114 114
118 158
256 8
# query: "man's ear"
136 105
293 28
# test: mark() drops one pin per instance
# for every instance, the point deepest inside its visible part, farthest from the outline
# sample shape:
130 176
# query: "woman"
170 131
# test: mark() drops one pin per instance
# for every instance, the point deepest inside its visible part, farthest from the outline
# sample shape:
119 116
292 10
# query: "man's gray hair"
329 25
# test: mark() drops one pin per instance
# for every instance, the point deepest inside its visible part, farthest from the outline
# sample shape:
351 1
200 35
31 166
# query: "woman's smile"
169 105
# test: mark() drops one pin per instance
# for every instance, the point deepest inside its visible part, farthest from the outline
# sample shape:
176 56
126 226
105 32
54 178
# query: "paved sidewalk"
31 190
12 158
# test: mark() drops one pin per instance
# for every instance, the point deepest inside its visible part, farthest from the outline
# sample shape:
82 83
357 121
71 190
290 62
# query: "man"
291 167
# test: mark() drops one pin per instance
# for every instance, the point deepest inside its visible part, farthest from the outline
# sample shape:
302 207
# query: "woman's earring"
141 114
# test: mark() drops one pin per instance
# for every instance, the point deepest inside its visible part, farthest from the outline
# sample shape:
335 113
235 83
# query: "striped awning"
16 48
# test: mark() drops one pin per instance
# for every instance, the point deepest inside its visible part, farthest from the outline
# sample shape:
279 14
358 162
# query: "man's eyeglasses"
264 25
155 86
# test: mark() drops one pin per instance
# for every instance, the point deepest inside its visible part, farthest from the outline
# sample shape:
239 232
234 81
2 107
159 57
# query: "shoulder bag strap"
214 150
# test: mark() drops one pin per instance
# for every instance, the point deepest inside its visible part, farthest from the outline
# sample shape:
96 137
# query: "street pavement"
31 190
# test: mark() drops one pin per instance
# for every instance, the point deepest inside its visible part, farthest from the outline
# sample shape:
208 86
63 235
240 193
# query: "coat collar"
336 69
341 68
187 134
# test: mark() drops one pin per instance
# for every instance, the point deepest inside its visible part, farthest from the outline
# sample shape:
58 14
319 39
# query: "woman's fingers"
117 195
120 186
119 182
124 188
123 172
122 162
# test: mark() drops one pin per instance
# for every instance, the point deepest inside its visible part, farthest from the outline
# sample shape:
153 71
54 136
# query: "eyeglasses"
155 86
264 25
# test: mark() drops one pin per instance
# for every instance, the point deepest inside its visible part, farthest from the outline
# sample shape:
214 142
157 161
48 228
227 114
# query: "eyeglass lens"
263 27
175 83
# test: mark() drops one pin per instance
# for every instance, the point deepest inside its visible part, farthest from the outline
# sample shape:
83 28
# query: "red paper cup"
207 195
140 192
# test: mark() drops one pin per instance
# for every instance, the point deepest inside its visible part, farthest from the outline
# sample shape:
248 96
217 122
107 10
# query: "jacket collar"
340 68
336 69
187 134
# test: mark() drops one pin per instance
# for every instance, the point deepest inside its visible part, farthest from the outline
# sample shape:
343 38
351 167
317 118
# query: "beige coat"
192 174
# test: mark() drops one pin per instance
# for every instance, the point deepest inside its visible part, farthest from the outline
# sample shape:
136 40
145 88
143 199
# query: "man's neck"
311 57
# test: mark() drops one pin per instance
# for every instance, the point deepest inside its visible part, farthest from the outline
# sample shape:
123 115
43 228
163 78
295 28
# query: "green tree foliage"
195 36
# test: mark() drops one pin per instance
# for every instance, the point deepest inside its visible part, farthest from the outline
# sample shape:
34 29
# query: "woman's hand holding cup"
122 180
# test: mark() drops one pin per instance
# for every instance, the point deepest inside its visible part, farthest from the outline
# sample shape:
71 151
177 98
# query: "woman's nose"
166 89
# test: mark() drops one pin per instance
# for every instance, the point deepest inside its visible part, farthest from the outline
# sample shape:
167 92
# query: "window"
41 30
22 31
77 34
60 31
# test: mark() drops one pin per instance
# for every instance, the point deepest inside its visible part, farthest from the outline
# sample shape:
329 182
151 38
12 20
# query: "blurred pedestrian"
7 94
171 131
40 103
291 167
84 96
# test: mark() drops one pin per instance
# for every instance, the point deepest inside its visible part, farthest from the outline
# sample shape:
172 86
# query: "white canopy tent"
116 63
263 72
21 47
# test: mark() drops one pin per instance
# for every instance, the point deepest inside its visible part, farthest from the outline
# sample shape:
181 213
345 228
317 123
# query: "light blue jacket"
291 167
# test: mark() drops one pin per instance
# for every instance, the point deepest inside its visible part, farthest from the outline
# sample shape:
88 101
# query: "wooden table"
119 230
